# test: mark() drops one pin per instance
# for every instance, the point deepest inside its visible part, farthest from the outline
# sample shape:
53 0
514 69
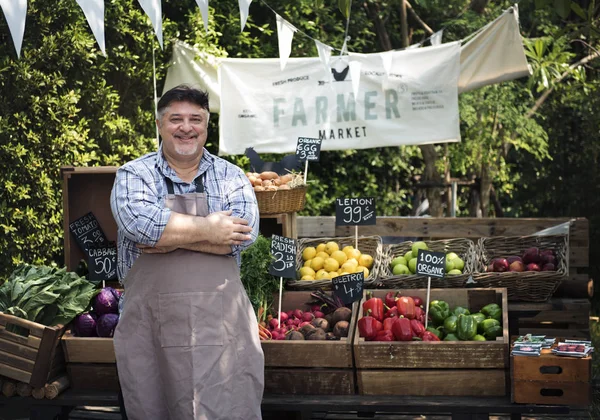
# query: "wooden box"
34 357
461 368
309 367
91 362
551 379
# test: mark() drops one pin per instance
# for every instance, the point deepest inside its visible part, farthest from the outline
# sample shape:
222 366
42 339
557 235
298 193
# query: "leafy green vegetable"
46 295
254 272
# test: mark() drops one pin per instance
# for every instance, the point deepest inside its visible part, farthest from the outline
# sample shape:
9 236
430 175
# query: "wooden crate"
551 379
34 357
309 367
93 376
436 368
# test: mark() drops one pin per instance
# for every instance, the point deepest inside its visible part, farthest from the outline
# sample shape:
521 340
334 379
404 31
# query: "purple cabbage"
84 325
107 301
105 327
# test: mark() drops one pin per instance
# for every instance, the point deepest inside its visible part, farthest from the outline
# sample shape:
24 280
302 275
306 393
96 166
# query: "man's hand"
156 249
226 229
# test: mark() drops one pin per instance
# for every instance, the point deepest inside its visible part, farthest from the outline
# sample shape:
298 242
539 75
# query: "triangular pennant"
203 5
285 34
386 60
410 47
244 10
355 75
325 56
15 12
154 12
94 13
436 38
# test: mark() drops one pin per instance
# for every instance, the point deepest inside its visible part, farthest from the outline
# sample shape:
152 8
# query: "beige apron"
187 343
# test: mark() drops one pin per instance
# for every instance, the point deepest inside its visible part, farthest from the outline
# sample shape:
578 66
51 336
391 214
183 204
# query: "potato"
341 329
277 182
271 188
286 178
259 188
285 187
267 183
269 175
253 179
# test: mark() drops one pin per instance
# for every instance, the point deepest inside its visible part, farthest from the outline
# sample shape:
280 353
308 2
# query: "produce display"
402 318
327 319
533 259
407 263
271 181
102 320
327 260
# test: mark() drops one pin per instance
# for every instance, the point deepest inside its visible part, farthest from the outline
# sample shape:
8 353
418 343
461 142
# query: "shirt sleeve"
242 201
137 208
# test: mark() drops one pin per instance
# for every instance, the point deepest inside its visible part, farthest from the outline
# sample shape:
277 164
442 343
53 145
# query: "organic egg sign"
308 149
284 257
355 211
431 263
348 287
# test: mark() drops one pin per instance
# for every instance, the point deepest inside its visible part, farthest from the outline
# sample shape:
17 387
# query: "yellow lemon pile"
327 260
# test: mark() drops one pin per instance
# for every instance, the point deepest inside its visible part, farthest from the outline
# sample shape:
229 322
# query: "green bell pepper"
467 327
439 334
479 337
492 311
451 324
450 337
493 332
479 317
439 311
486 324
459 310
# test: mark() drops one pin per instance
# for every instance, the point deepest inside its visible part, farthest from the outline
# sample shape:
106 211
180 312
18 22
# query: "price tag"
102 262
87 231
308 149
284 253
355 211
348 287
431 263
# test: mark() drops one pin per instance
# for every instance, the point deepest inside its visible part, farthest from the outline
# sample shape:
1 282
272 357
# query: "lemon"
321 247
309 253
323 255
311 278
307 271
347 248
323 275
344 273
365 260
353 253
340 256
331 264
307 263
350 266
317 263
363 269
333 274
331 246
320 273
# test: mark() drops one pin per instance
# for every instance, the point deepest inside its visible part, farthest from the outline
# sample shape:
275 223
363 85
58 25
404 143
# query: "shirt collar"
206 161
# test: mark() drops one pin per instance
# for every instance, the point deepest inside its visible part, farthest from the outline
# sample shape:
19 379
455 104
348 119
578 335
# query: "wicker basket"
465 248
281 201
529 286
371 245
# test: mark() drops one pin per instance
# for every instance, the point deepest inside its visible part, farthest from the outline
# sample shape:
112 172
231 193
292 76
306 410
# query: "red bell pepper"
401 329
406 307
367 328
418 300
375 305
390 298
384 335
419 314
388 322
417 328
392 312
429 336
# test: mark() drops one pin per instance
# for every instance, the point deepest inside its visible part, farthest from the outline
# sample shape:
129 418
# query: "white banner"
268 109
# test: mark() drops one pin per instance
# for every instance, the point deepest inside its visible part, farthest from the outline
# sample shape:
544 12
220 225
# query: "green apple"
400 269
454 272
458 263
449 265
398 260
418 245
412 265
451 256
409 256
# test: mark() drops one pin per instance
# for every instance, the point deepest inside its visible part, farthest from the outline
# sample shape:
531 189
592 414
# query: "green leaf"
344 6
578 10
563 8
541 4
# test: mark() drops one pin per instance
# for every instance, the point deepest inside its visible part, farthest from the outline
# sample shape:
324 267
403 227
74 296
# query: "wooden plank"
16 348
441 354
88 349
579 256
89 376
14 373
309 381
16 362
547 392
43 362
548 367
457 382
316 227
29 341
37 330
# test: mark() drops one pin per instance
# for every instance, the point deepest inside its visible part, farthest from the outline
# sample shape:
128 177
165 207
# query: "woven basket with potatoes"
278 193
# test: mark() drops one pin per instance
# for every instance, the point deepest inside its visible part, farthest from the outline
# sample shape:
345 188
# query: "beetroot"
533 267
321 323
294 335
531 255
500 265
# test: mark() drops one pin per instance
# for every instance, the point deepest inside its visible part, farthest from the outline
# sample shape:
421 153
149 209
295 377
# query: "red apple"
531 255
533 267
500 265
513 258
517 266
548 267
547 258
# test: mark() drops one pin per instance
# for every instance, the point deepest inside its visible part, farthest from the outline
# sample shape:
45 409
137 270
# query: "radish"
290 314
275 335
318 314
284 317
315 308
302 324
297 313
307 316
273 324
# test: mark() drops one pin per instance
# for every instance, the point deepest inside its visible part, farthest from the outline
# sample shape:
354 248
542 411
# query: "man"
187 343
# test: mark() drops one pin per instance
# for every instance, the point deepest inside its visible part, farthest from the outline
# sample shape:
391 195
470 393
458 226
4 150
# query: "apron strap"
198 182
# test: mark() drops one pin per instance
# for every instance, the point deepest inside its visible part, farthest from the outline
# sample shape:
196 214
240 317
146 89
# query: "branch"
404 24
417 18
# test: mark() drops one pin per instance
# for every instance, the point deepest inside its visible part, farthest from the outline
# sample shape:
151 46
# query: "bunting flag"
153 9
386 61
436 38
15 12
325 56
203 5
285 34
244 10
94 13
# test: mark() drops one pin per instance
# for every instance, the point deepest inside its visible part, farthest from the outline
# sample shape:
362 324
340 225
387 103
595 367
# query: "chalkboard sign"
355 211
431 263
348 287
284 253
308 149
87 231
102 262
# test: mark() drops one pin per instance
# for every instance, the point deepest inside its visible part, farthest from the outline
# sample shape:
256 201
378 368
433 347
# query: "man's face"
183 128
